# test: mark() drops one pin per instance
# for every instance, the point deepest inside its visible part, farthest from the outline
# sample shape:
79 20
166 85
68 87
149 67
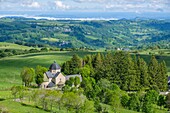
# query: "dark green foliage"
27 75
161 101
129 73
161 79
152 96
142 72
76 81
125 100
153 70
147 107
89 34
44 49
39 71
168 101
113 98
73 66
70 82
134 103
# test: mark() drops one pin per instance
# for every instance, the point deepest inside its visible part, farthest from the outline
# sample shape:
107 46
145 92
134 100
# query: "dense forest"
130 73
111 34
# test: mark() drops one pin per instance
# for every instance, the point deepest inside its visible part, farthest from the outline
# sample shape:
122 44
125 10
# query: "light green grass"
156 52
62 35
91 37
50 39
4 45
5 94
10 67
16 107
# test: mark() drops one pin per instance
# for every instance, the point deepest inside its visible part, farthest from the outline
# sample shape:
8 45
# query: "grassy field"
4 45
10 67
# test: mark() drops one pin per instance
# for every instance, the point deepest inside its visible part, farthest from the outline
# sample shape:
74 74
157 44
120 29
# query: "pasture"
10 67
5 45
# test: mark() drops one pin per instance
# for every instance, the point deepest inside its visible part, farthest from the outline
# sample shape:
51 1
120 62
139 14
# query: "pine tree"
75 64
143 73
131 77
98 66
120 69
153 71
87 60
161 78
97 61
66 67
137 72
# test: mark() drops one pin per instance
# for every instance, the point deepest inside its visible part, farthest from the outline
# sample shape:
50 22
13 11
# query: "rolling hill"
136 33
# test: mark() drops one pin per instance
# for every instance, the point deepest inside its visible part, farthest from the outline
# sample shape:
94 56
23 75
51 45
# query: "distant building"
54 77
169 81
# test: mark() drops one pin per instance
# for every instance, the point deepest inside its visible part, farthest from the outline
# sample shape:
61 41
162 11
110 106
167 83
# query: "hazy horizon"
154 9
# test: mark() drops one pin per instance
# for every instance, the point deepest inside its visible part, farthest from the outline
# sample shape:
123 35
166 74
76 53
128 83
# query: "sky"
137 6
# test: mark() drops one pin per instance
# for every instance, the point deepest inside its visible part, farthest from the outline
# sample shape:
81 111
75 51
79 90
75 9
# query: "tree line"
54 101
129 72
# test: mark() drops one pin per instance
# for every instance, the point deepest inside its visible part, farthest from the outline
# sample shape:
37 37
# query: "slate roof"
51 84
169 80
50 75
54 66
76 75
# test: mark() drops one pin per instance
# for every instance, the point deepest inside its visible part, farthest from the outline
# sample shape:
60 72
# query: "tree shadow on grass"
32 106
2 99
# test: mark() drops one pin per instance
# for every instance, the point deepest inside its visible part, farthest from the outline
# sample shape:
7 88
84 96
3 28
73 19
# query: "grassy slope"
15 107
4 45
10 67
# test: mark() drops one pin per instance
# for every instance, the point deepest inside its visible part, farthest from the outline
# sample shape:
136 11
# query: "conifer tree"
98 64
66 67
153 71
97 61
75 64
131 77
161 78
120 72
137 72
143 73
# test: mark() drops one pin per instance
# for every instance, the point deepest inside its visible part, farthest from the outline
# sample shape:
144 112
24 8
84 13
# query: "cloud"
34 4
11 1
60 5
88 5
81 1
31 5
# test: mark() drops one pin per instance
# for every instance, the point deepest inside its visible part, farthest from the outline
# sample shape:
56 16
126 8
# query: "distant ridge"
53 18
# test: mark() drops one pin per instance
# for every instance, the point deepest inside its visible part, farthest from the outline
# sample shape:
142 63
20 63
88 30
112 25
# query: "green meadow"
5 45
10 68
